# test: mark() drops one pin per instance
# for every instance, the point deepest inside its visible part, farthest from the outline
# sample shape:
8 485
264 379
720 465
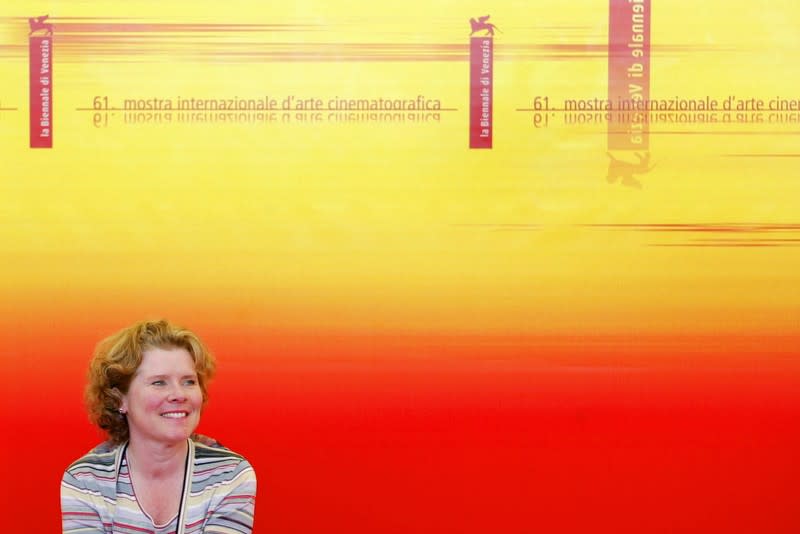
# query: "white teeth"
174 415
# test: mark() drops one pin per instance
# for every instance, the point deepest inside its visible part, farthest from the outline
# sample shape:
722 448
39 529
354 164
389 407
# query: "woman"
147 387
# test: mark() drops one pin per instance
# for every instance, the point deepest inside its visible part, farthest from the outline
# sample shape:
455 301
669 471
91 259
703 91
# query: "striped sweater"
219 494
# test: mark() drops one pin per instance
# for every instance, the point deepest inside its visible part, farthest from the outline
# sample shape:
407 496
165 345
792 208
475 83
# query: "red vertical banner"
629 74
40 59
481 91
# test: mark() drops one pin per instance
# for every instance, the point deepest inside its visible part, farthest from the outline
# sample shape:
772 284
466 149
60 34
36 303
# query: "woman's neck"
157 460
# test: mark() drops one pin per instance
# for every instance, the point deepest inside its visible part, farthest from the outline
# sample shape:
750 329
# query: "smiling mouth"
175 415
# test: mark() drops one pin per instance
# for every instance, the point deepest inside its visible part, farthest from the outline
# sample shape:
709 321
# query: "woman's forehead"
171 360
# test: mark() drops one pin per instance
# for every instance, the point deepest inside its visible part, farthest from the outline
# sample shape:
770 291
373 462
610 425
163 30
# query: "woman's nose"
176 393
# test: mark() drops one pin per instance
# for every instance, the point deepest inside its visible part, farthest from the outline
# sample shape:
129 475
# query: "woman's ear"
122 400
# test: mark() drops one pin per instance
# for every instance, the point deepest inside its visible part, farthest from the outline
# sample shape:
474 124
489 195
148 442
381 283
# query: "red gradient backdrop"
436 433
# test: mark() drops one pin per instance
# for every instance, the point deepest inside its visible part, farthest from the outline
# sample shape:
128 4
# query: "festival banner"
481 76
629 74
40 52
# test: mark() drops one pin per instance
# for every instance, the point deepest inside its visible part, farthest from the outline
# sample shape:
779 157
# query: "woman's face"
164 400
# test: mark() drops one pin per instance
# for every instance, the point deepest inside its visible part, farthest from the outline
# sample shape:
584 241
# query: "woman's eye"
190 382
158 382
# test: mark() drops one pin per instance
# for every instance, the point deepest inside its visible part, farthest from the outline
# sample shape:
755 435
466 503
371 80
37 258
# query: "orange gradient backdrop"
413 336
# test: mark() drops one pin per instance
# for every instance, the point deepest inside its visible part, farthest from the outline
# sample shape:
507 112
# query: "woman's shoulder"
95 471
209 447
212 456
103 457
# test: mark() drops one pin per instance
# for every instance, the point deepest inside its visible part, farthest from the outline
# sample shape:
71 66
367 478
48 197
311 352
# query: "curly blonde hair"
116 360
